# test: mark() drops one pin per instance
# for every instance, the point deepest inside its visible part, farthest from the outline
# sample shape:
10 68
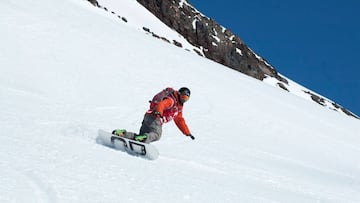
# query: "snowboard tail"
132 147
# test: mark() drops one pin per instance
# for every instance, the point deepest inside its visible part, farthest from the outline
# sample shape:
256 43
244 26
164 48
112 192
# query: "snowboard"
132 147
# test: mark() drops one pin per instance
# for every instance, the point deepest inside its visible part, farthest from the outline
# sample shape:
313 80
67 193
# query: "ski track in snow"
43 191
26 186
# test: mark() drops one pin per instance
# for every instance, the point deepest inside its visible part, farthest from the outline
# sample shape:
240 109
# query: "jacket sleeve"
164 104
181 124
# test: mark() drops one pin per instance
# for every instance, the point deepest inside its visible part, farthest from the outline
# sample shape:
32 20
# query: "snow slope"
68 68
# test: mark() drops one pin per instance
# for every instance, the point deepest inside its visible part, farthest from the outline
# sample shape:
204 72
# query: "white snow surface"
68 69
139 17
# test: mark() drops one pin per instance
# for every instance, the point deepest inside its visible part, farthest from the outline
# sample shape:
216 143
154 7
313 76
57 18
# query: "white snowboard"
132 147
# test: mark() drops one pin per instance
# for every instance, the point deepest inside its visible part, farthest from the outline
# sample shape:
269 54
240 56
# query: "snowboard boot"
141 138
119 132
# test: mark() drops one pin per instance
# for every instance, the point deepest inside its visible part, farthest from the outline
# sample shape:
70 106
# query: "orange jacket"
171 109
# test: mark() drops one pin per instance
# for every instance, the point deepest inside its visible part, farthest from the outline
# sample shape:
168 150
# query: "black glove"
191 136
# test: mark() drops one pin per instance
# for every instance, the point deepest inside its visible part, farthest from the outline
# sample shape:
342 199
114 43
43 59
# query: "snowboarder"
167 105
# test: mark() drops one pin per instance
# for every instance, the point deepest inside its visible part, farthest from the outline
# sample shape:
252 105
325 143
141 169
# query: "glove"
191 136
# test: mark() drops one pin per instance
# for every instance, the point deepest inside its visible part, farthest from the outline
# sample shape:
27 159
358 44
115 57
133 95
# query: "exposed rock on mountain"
216 42
94 2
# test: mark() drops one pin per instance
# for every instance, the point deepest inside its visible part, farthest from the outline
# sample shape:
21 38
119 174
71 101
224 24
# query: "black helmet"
184 91
184 94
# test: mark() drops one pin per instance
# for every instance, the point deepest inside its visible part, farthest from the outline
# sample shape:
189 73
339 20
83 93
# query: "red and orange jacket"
171 109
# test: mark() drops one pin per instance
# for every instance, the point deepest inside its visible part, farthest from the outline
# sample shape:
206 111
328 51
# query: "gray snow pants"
151 126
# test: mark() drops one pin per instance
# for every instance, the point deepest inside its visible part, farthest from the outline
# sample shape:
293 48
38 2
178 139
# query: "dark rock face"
94 2
216 42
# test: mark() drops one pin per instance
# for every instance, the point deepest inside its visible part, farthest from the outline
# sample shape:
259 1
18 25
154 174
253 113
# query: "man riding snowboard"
164 107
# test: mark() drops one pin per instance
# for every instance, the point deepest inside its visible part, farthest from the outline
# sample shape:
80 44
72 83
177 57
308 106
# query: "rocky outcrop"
94 2
216 42
324 102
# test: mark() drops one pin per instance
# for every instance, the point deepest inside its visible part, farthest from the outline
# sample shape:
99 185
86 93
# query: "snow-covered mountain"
213 41
68 68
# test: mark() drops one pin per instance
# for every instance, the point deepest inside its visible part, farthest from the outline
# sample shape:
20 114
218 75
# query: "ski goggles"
184 97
